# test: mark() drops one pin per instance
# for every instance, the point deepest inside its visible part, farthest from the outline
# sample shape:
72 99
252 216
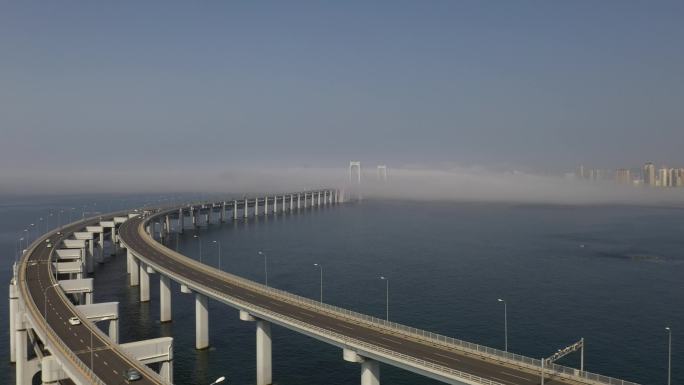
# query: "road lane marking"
513 375
445 356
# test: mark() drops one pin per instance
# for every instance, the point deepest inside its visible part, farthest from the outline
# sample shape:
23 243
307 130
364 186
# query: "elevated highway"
82 354
362 338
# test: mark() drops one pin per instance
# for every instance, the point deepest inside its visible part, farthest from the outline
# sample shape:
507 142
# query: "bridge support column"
222 213
299 201
51 371
266 205
167 226
14 309
370 369
208 216
245 213
284 205
194 213
235 214
201 322
102 246
275 204
144 283
113 330
263 348
263 352
166 371
291 202
164 298
90 256
181 220
318 204
256 206
21 354
134 268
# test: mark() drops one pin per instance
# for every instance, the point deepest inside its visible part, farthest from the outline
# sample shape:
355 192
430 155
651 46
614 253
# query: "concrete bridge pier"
256 207
167 225
13 308
235 213
181 220
284 204
266 205
103 312
370 369
291 202
263 348
245 211
134 277
20 348
318 204
275 204
207 217
201 321
164 298
193 214
51 371
222 213
299 201
145 272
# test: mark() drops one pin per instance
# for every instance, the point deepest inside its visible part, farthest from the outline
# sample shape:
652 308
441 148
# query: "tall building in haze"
649 174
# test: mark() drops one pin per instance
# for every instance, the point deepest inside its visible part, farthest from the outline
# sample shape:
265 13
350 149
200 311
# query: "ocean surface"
613 275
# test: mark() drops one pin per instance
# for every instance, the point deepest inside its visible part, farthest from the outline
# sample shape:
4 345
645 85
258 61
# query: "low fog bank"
475 184
458 184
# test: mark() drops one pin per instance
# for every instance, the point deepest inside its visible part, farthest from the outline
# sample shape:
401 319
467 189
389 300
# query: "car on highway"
132 375
74 321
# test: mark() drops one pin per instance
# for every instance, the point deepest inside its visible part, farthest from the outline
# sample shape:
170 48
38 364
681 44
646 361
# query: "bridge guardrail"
449 342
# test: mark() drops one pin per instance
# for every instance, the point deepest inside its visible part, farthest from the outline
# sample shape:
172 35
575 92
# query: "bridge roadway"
107 361
132 234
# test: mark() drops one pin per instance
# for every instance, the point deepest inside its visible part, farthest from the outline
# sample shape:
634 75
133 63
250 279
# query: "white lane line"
387 339
445 356
504 381
514 375
346 327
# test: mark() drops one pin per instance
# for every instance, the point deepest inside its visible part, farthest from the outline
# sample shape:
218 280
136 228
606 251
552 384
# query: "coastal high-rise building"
673 177
623 176
649 174
663 177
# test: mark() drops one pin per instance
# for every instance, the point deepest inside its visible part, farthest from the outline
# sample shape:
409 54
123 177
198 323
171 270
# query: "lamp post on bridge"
505 324
219 250
265 267
30 229
386 296
321 268
669 355
199 240
45 305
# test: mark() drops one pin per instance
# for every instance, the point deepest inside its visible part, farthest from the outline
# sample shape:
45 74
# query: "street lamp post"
200 246
265 267
30 229
219 249
505 324
45 304
321 268
18 249
386 296
669 355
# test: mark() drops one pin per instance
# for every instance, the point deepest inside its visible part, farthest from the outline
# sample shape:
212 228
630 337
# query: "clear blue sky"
541 85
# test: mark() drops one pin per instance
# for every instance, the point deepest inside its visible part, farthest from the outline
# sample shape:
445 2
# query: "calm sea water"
611 274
